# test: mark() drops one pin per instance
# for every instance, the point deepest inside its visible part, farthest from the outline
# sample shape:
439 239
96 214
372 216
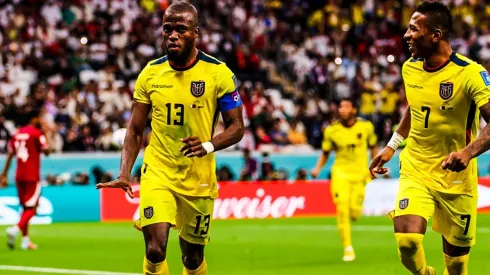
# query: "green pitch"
240 247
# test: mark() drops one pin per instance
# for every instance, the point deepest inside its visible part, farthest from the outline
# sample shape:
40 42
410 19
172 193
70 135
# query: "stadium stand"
78 60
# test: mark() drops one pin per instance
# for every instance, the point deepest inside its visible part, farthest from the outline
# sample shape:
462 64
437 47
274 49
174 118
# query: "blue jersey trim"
159 61
229 101
458 61
209 59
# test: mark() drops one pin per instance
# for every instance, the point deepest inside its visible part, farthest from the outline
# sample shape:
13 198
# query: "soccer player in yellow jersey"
185 92
446 93
350 137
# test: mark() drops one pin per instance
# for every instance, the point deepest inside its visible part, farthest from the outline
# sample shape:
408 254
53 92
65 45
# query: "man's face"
419 37
179 34
346 110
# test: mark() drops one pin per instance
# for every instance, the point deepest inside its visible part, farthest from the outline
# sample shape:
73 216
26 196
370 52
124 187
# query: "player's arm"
478 89
3 176
131 147
387 153
327 146
230 106
134 136
6 168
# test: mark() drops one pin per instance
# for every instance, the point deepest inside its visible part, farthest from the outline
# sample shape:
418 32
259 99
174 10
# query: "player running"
185 90
27 145
349 137
438 176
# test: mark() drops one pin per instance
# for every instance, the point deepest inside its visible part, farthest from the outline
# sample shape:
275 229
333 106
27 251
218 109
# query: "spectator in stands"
250 169
266 168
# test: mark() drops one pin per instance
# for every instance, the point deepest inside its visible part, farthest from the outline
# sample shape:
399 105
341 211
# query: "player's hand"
456 161
118 183
379 160
314 172
3 181
192 147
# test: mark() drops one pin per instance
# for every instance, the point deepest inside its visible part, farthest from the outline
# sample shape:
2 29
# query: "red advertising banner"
240 200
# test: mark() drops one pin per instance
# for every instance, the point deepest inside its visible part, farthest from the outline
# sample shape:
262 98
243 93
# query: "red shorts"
29 193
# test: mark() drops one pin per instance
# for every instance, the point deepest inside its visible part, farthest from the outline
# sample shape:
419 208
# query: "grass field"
285 246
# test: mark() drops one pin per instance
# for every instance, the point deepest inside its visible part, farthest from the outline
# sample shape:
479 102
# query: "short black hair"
182 7
438 16
349 99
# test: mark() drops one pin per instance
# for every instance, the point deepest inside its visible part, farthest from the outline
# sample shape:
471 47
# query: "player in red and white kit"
27 145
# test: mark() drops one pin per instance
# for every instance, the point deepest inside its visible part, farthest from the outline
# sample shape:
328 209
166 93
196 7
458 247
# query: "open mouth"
411 47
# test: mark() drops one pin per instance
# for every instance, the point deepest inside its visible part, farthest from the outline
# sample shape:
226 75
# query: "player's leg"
194 222
414 206
29 194
156 238
455 219
340 189
358 189
158 208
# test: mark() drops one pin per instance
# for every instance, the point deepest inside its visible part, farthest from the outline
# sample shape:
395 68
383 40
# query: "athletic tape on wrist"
395 141
208 146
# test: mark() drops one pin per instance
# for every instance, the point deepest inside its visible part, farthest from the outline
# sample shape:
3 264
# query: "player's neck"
183 64
439 58
349 123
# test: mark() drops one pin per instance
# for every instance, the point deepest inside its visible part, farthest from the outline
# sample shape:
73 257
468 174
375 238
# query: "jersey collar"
199 54
440 67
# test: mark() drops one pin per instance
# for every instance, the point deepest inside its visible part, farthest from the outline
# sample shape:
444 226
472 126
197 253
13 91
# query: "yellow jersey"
444 104
351 148
185 103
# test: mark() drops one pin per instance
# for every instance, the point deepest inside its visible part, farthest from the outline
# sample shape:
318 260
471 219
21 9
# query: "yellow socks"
150 268
456 265
343 224
411 252
201 270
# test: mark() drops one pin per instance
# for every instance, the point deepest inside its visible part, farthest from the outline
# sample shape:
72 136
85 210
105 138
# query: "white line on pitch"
366 228
61 271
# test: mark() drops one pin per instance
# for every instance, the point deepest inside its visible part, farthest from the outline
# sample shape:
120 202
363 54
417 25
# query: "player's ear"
197 31
437 35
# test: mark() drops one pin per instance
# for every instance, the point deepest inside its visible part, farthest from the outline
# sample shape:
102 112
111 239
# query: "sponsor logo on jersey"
403 204
446 90
160 86
415 86
197 88
148 212
486 78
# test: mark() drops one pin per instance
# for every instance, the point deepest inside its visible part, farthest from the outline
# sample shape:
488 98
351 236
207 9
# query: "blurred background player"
27 145
438 174
350 137
186 90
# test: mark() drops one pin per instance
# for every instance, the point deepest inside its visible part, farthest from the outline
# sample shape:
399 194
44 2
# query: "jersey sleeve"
478 85
327 143
372 139
228 96
140 94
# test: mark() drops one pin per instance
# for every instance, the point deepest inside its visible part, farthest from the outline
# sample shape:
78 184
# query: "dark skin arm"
458 161
131 147
233 133
387 153
320 163
3 176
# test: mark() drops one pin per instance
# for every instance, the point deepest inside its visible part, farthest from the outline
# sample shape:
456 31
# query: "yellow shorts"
454 214
190 215
348 193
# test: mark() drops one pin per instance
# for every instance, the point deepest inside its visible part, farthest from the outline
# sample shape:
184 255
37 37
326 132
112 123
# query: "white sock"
349 248
14 230
25 240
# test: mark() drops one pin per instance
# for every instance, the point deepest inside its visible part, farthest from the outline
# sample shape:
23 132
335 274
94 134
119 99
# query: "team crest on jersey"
148 212
403 204
359 135
446 90
197 88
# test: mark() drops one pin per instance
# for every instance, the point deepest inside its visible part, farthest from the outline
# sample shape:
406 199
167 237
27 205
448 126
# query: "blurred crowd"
78 61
